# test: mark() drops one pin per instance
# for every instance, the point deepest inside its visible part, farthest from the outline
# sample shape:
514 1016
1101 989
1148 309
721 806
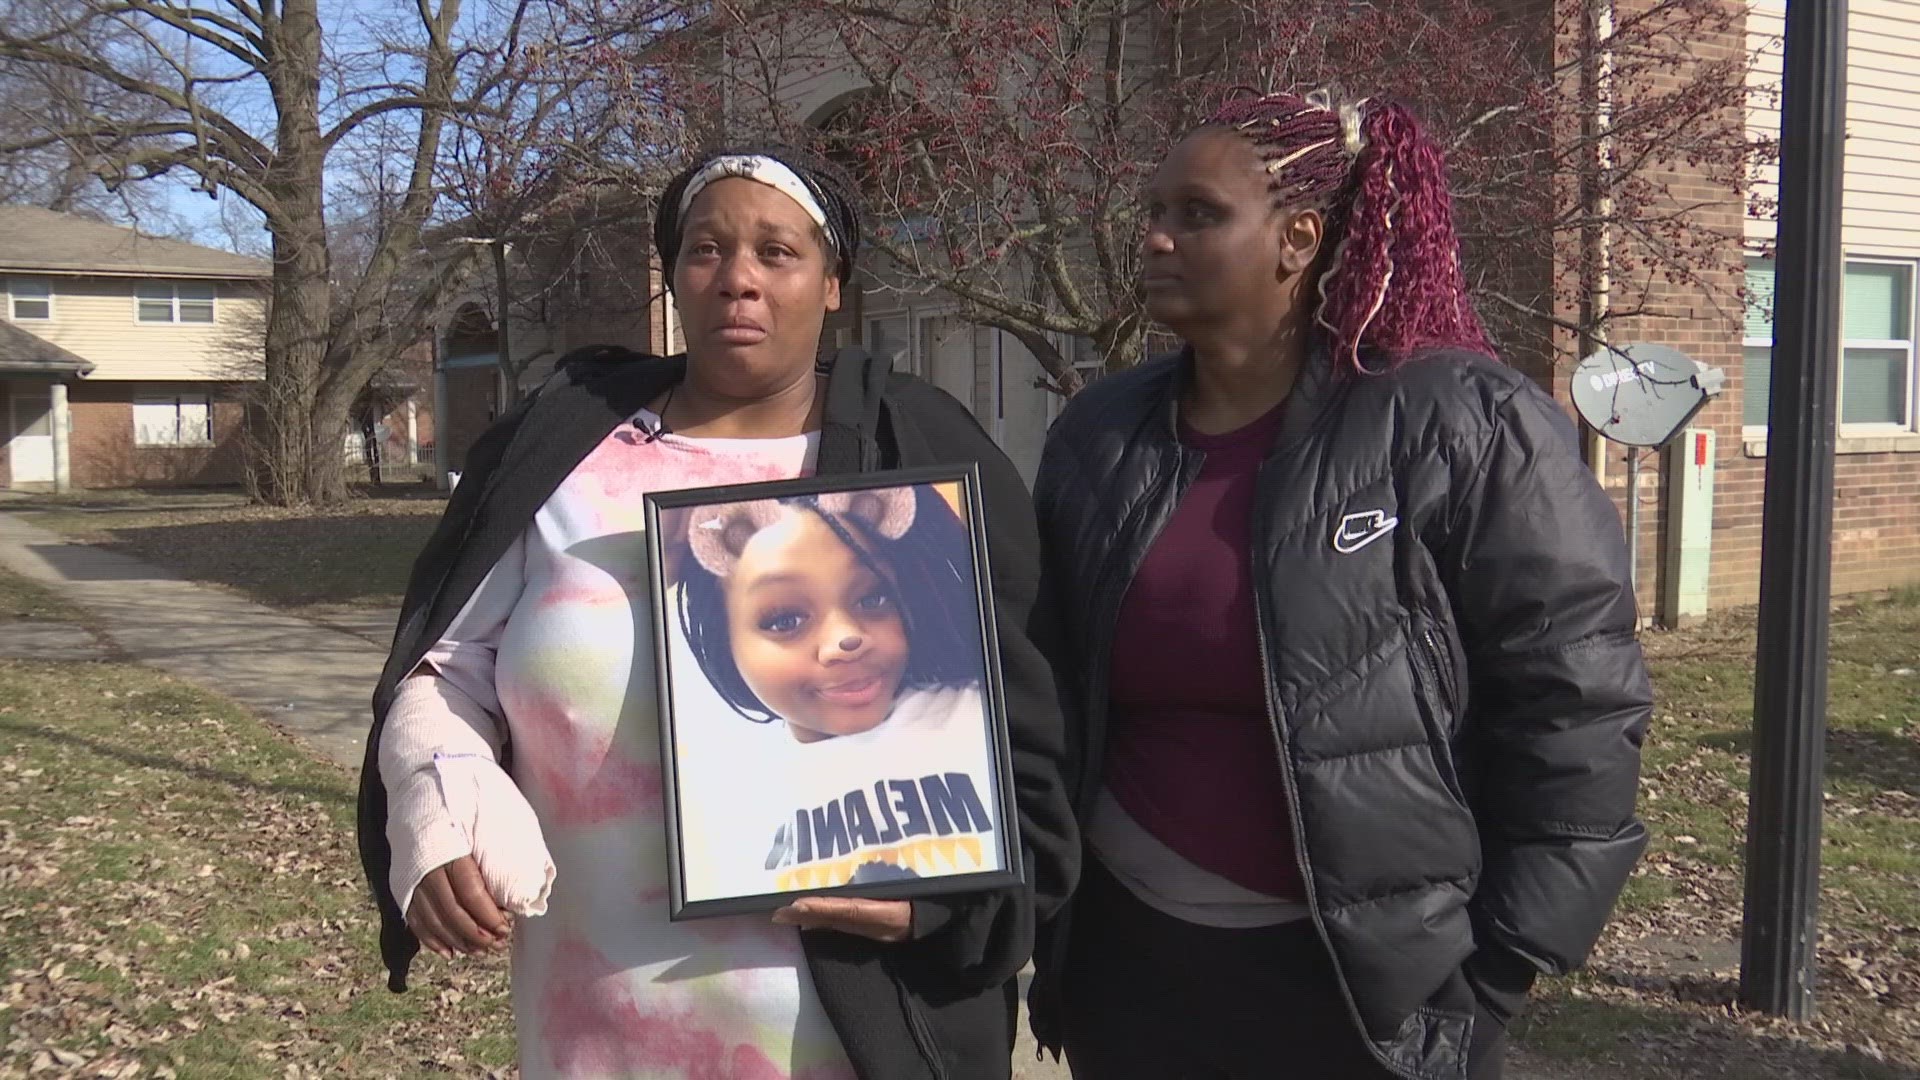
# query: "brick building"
1877 519
1876 538
1877 511
591 281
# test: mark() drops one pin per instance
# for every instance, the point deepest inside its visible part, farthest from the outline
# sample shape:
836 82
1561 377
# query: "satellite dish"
1642 395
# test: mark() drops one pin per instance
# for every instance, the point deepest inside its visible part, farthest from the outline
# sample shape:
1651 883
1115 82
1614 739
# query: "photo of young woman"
831 724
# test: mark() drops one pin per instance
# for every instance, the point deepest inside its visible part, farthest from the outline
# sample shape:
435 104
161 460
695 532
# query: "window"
173 420
1877 347
1086 360
1876 368
29 299
1757 365
174 301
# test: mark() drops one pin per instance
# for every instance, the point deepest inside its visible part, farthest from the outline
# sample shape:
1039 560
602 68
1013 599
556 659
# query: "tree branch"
157 161
41 52
365 113
249 50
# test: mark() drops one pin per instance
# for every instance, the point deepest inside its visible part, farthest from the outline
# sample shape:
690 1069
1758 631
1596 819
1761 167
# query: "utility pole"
1796 546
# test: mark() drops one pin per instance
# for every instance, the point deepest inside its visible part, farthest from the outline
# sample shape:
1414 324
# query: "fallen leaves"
222 928
1659 997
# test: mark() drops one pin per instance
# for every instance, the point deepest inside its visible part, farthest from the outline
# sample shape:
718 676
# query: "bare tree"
245 101
550 165
56 177
261 98
1003 143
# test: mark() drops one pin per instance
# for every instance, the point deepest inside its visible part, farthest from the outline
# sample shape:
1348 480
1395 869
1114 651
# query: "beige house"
122 356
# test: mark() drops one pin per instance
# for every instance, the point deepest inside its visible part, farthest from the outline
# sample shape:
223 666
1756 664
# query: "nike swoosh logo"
1358 530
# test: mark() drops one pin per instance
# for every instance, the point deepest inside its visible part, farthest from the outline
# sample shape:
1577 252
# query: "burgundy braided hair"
1393 286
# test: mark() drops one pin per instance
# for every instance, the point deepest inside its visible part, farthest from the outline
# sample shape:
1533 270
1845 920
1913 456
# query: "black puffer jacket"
1458 694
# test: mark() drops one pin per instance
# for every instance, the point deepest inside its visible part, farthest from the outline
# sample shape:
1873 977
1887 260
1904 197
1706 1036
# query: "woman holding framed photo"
1353 628
512 795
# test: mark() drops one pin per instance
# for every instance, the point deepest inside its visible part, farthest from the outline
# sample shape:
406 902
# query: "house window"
173 420
30 299
174 301
1757 364
1876 370
1877 346
1086 359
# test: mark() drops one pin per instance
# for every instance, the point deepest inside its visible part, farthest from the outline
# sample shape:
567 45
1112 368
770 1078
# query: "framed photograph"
831 713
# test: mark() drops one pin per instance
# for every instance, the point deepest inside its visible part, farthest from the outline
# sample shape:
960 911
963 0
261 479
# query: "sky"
201 218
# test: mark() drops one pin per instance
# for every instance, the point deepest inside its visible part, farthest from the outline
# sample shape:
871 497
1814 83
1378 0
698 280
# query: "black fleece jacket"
941 1005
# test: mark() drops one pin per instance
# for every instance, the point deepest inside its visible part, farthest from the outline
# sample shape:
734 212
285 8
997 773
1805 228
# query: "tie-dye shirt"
558 641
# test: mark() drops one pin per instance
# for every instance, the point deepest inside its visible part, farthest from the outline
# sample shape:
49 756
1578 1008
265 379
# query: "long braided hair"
1393 286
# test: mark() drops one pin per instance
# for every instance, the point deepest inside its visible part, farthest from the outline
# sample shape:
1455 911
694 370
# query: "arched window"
471 333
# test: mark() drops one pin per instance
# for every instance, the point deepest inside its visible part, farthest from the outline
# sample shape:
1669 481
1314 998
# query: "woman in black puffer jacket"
1353 641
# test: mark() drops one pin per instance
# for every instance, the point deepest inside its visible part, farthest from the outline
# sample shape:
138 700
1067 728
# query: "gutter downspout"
672 326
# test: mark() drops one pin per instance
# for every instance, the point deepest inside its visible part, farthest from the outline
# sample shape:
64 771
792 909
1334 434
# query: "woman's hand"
881 920
451 912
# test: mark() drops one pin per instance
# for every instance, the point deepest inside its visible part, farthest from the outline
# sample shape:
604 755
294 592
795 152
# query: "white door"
32 443
946 348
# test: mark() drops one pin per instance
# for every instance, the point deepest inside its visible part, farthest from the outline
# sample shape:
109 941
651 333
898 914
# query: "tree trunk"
304 460
297 468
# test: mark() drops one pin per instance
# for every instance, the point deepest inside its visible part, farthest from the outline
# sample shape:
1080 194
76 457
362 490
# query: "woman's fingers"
462 932
881 920
425 924
470 891
443 916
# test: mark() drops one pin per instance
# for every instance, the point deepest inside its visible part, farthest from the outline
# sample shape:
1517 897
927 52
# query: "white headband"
764 170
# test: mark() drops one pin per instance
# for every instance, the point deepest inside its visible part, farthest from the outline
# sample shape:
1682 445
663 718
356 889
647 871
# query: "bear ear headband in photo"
718 534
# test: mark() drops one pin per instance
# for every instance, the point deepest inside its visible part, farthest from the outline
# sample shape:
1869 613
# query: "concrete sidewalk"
309 680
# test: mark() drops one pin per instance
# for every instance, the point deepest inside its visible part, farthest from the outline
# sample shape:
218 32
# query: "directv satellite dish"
1642 395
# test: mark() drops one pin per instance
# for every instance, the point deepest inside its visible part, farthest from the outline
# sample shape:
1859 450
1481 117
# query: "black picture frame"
940 797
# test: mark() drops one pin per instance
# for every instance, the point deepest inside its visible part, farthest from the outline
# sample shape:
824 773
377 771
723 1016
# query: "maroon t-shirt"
1191 754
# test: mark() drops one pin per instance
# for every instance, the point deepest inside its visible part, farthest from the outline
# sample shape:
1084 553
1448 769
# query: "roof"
22 353
47 241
